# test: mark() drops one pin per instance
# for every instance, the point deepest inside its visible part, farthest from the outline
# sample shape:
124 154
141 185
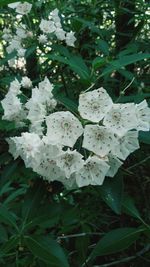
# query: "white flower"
21 52
93 172
46 88
70 38
48 169
12 147
47 26
60 34
70 161
54 14
45 164
143 116
15 45
7 37
23 8
121 118
36 127
114 164
42 39
21 32
69 183
14 5
12 106
43 95
99 139
127 144
26 82
27 146
94 105
36 111
63 128
15 87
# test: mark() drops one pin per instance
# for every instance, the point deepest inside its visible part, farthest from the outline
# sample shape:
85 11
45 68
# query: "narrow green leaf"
15 194
130 208
115 241
9 245
123 61
99 62
47 250
8 171
112 192
8 217
3 234
32 201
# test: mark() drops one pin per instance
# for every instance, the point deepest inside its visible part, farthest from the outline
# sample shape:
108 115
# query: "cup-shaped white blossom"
63 128
26 82
23 8
99 139
28 146
15 87
94 105
121 118
36 111
13 109
13 5
69 183
127 144
114 164
143 116
13 147
42 39
60 34
70 162
47 26
93 172
45 164
70 38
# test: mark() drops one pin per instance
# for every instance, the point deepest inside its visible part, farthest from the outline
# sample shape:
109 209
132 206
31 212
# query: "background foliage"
42 224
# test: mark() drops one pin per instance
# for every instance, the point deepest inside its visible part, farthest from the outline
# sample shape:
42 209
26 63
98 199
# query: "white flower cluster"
21 8
53 25
17 40
75 153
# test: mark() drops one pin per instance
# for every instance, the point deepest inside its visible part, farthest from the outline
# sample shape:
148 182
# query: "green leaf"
6 2
15 194
112 192
7 217
3 234
78 65
103 46
32 201
130 208
7 125
30 51
124 61
99 62
144 137
8 171
9 245
47 250
115 241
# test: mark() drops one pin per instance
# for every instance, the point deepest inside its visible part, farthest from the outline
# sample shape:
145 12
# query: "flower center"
116 116
65 125
99 135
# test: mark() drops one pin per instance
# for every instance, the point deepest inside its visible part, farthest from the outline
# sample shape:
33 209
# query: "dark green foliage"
45 225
